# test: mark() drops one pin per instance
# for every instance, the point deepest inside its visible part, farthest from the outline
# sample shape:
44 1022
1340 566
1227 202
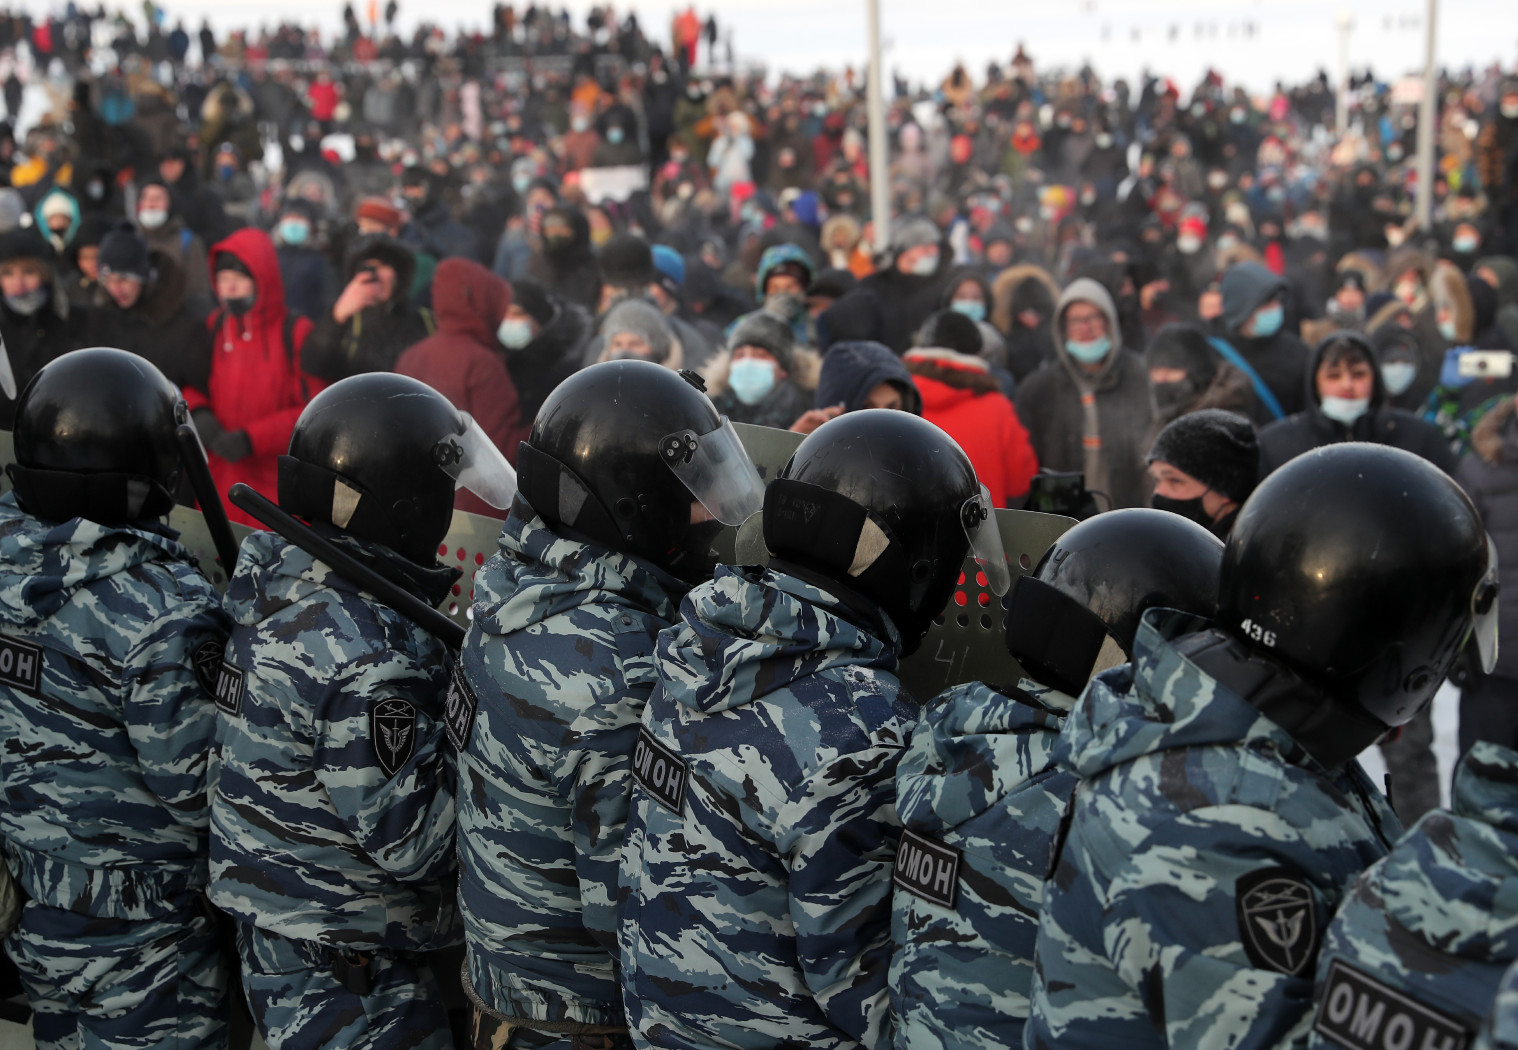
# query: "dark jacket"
309 280
1489 474
33 341
1381 424
571 271
552 357
372 339
463 360
905 300
161 326
1017 288
1278 359
1105 438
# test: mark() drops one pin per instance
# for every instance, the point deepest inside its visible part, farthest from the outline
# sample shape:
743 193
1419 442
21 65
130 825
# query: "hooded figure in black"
909 289
36 319
1187 375
1253 322
1345 388
544 337
373 320
566 264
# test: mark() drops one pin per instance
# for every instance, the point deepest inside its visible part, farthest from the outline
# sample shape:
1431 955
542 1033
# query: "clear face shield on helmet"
1484 611
474 463
717 470
979 521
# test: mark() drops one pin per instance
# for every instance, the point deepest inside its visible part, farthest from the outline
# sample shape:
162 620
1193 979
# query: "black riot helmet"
379 456
1365 569
94 436
888 505
1078 612
621 450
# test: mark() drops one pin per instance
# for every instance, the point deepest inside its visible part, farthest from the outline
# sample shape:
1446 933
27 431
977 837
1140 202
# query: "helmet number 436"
1258 633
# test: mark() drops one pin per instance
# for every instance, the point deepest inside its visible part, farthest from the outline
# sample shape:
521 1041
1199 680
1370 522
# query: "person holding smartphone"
373 319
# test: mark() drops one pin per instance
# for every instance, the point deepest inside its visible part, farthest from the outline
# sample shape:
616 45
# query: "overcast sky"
1292 38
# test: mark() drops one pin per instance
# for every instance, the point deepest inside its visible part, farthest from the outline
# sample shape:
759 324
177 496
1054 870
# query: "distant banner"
613 184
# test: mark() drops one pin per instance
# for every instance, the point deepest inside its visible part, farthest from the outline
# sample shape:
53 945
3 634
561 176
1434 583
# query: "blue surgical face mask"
294 231
1398 376
751 379
1447 329
1268 320
974 309
521 183
1091 351
514 333
615 135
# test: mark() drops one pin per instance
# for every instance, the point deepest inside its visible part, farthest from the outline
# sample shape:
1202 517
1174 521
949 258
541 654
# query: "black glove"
207 426
232 445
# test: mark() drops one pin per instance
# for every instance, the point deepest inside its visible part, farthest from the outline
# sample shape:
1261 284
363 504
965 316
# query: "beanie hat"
669 264
1217 448
831 284
640 318
534 299
913 231
627 262
767 332
24 242
58 203
123 252
951 330
378 209
1183 346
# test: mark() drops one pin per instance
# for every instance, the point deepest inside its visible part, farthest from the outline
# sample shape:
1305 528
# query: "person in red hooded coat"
256 389
465 362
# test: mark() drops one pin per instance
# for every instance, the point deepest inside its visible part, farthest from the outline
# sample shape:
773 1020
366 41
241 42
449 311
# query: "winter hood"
747 634
1246 287
255 250
1087 290
43 564
468 300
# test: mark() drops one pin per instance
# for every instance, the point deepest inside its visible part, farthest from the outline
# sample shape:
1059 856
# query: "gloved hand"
233 445
207 426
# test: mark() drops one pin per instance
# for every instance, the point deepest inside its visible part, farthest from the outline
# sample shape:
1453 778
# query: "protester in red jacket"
960 395
256 388
465 362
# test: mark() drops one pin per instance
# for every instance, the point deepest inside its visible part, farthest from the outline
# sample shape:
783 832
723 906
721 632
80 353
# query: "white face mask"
1398 376
1510 109
925 265
1187 245
514 333
152 218
1345 409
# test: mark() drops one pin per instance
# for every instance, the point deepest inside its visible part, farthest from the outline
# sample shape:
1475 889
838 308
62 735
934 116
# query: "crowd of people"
1108 296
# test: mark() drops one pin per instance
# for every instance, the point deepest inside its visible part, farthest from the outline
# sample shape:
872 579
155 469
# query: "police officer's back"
980 791
110 638
1221 817
755 900
333 816
624 478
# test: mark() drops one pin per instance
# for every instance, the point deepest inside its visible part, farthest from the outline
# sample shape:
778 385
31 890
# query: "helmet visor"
979 520
474 463
1484 611
717 470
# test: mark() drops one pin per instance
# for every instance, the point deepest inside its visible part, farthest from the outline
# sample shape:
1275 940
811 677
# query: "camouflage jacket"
1204 855
332 816
980 796
105 722
756 878
1428 932
1501 1029
557 665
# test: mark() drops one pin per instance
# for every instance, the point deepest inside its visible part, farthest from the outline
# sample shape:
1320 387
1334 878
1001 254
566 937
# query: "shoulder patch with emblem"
392 730
927 869
459 708
1358 1012
229 688
205 660
20 664
659 771
1278 922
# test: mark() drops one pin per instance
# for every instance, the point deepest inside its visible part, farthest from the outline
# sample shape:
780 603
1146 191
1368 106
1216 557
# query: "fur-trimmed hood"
1006 283
953 369
806 367
1367 267
1492 435
1447 288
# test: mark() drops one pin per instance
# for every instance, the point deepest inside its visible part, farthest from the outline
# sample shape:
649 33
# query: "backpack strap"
186 235
1263 392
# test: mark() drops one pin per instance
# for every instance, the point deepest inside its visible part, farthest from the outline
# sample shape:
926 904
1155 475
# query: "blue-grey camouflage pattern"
1198 823
1437 919
1501 1029
332 816
756 912
559 662
300 1005
105 730
980 777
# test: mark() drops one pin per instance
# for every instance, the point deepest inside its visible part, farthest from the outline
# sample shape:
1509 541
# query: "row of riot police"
671 803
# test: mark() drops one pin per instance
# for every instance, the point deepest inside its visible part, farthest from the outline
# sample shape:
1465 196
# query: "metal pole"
1426 111
1341 106
880 183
